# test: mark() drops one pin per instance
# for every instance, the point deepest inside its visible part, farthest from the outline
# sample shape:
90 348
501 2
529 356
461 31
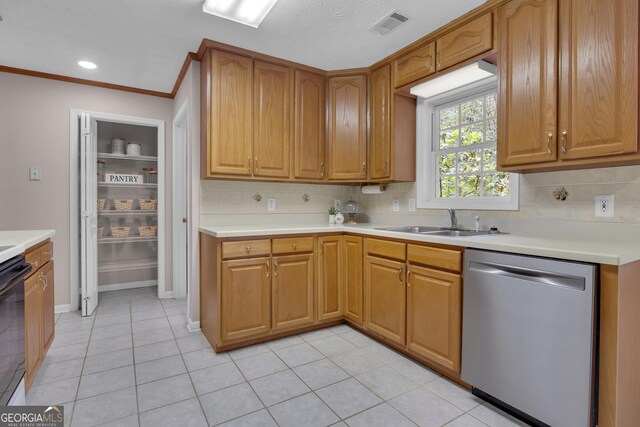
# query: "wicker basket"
148 230
123 204
101 204
148 204
120 232
100 232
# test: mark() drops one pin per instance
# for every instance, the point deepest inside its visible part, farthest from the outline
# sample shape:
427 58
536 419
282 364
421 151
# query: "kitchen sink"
440 231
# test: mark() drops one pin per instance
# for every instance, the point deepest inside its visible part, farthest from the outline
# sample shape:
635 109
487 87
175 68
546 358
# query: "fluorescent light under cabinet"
247 12
455 79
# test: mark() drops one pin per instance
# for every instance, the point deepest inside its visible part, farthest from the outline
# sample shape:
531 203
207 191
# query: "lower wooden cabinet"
246 299
434 316
330 278
385 298
39 311
353 283
292 291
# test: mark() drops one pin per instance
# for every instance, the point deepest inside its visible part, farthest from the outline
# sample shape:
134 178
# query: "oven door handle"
17 276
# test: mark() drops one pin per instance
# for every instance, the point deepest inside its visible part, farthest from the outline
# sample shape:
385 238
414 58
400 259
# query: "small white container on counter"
134 149
117 146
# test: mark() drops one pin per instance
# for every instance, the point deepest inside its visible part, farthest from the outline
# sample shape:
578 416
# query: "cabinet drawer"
414 65
445 259
386 249
46 253
292 245
246 248
33 257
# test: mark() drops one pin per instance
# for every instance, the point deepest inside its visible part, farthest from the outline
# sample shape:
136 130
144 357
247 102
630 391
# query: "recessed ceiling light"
247 12
87 64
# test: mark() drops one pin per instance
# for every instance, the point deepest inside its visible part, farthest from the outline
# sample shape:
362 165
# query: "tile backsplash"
536 197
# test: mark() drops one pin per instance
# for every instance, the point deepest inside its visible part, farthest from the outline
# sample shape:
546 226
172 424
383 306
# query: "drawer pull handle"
248 249
295 247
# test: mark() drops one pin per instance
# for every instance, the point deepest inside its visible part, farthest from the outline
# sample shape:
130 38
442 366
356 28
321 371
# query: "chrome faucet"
454 219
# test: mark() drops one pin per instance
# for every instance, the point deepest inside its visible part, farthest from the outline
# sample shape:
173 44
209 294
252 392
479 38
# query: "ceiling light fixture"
87 64
456 79
247 12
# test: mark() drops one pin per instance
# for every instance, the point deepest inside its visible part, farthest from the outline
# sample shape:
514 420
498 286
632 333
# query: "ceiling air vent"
389 23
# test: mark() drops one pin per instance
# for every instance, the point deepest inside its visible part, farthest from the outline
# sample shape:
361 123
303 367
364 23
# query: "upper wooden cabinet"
229 123
392 130
415 65
271 124
309 128
567 99
347 139
465 42
528 60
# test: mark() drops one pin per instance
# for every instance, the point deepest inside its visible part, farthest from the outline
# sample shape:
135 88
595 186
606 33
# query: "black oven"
12 326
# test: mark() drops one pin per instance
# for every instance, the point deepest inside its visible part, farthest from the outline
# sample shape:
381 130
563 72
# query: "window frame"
427 156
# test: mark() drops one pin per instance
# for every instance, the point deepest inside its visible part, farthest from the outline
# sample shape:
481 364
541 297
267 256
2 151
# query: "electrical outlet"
411 205
34 173
271 205
604 206
396 205
337 204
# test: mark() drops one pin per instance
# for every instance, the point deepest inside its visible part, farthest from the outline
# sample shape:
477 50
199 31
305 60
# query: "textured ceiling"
142 43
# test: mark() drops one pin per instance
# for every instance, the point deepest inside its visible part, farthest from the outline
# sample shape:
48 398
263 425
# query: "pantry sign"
121 178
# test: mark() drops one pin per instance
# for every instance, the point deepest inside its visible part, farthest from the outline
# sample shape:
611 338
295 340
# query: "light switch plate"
396 205
337 204
411 205
271 205
34 173
605 206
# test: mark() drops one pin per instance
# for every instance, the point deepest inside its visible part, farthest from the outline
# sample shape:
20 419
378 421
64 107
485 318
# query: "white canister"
134 149
339 218
117 146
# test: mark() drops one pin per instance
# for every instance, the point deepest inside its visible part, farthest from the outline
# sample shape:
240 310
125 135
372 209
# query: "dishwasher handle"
529 274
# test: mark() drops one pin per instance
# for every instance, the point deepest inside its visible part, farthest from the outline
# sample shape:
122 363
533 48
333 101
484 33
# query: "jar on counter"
153 177
101 170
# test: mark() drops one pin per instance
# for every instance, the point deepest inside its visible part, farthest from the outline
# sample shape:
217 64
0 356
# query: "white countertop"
21 240
614 251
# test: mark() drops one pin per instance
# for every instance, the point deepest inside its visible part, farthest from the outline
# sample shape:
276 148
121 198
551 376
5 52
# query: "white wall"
34 131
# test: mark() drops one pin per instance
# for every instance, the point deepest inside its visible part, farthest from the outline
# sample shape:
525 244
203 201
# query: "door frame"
181 188
74 180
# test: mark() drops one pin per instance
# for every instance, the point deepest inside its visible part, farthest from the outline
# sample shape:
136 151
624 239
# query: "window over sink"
457 136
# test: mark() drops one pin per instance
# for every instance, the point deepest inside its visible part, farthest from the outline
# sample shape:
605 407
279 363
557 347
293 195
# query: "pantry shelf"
127 213
125 157
126 266
135 239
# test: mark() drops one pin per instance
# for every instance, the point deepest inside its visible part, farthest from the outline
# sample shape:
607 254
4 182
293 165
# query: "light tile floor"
134 363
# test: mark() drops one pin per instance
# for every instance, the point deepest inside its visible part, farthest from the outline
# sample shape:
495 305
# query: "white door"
89 218
180 200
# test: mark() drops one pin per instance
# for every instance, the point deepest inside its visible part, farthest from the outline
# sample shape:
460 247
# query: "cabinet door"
527 113
330 278
48 306
415 65
271 125
465 42
598 78
353 283
348 128
246 304
292 291
380 123
385 298
310 114
434 316
33 326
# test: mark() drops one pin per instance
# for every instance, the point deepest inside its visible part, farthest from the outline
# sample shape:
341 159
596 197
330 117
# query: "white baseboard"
167 295
62 308
130 285
193 326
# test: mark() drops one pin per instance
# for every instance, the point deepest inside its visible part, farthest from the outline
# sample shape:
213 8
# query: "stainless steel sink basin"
411 229
438 231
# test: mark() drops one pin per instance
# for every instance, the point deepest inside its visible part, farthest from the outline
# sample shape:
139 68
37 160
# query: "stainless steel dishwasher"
528 336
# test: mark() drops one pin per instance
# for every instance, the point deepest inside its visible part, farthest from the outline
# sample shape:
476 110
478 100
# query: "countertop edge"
23 243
